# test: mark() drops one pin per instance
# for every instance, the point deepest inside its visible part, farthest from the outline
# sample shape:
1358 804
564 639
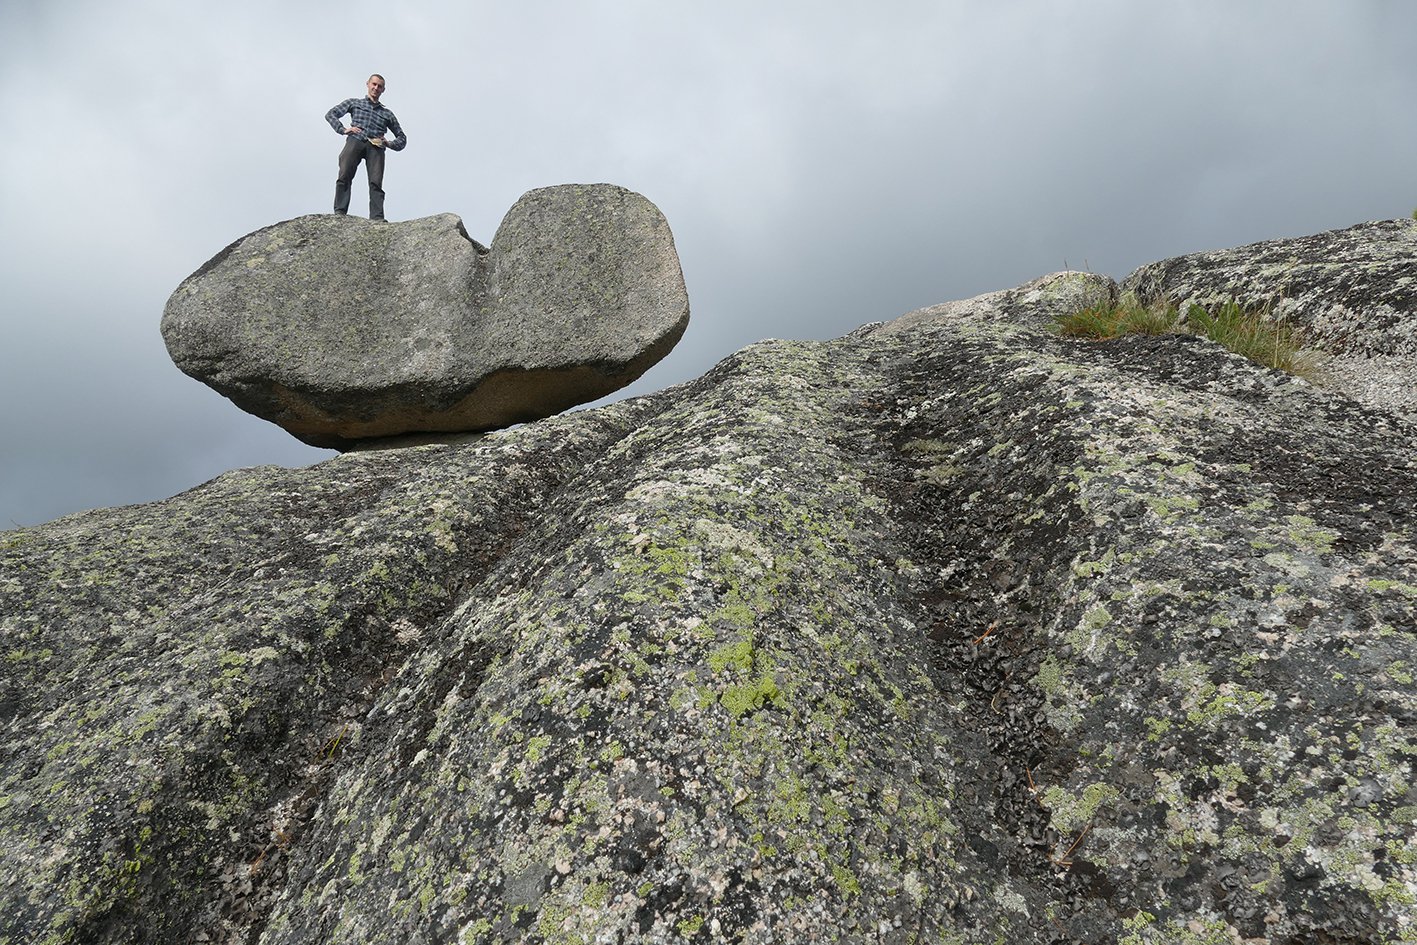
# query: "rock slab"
1352 291
950 630
343 330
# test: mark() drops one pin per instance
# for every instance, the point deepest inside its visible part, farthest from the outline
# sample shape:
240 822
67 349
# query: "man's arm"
400 139
334 115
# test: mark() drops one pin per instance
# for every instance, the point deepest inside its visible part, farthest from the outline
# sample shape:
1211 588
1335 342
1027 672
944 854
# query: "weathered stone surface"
949 630
342 329
1034 304
1354 291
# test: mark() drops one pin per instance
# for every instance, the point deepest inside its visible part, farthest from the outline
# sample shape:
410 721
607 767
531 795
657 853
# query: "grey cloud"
819 171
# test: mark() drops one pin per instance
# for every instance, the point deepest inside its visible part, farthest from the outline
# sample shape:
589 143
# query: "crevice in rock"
995 537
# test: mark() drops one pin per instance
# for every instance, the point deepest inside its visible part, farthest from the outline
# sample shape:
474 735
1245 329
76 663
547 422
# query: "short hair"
379 77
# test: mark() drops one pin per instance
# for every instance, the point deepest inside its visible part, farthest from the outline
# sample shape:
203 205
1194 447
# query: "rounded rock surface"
342 330
1353 293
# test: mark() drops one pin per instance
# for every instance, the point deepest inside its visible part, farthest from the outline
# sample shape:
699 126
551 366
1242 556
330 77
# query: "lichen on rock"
1351 292
949 630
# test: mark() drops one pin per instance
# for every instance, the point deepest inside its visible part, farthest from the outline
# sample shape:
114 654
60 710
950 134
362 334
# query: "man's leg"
374 167
348 163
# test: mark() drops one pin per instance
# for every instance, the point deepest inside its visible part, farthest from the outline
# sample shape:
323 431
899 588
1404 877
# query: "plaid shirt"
372 119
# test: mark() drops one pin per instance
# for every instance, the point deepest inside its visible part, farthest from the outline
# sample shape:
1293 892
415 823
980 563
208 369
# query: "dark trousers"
358 149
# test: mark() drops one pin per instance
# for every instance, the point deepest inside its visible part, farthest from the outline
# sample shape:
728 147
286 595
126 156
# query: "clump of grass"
1126 316
1253 334
1247 331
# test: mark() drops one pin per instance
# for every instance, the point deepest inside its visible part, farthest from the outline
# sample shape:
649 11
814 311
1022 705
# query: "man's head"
375 85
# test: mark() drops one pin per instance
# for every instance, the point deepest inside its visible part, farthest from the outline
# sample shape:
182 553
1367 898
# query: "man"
364 141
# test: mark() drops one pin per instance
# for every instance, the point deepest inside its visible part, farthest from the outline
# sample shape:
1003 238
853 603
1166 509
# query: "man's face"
375 85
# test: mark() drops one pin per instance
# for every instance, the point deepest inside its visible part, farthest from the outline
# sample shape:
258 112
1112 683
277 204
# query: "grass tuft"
1251 332
1126 316
1254 334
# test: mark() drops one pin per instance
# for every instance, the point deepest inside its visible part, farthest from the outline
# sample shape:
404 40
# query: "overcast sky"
822 164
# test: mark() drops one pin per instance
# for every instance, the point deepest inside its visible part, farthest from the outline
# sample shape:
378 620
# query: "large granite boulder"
1353 292
342 329
949 630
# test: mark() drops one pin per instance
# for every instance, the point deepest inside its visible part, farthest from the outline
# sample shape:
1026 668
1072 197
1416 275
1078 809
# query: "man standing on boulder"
364 141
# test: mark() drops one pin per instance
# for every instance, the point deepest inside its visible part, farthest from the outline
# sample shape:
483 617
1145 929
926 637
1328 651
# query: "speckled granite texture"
343 330
1353 292
947 631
